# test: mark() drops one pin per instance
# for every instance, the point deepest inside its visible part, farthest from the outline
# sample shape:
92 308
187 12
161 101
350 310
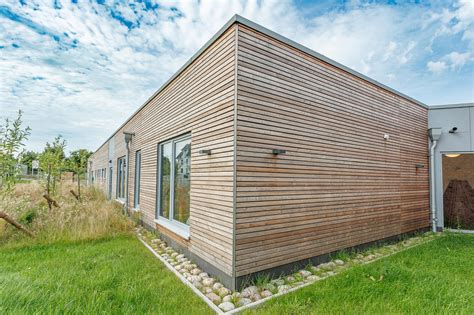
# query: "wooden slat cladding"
414 182
200 101
340 183
100 161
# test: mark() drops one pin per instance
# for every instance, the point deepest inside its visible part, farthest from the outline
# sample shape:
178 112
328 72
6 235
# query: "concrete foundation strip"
256 303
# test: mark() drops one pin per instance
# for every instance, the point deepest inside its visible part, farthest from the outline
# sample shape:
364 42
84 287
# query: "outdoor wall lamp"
386 136
453 130
206 152
419 165
278 151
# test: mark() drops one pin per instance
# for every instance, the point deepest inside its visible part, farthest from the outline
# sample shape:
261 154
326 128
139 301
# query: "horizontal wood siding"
414 182
200 101
340 183
99 161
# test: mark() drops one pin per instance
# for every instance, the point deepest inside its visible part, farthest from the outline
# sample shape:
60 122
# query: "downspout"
128 138
434 134
434 220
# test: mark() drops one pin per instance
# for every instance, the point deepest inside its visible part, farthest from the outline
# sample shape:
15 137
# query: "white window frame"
173 225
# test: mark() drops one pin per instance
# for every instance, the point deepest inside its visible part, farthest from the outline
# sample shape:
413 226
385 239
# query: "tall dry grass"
92 218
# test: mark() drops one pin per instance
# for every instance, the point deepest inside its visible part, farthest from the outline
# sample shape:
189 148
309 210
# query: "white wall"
462 141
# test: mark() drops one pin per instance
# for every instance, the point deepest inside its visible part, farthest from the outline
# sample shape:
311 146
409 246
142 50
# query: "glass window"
175 172
138 162
165 178
121 175
182 180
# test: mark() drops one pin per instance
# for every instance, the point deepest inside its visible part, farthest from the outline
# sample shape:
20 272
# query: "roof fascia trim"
447 106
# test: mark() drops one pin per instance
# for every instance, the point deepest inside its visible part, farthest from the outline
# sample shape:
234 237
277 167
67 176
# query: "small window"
138 162
121 176
174 180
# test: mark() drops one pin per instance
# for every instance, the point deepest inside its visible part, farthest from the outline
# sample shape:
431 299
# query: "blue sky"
80 68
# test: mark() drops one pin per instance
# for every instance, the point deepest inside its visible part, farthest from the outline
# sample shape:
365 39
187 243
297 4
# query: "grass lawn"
91 277
118 275
434 278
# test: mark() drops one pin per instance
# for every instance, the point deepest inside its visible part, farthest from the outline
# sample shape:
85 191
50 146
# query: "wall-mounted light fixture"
419 165
454 155
386 136
278 151
207 152
453 130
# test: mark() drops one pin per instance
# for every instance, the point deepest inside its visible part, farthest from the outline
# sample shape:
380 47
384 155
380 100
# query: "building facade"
454 165
259 154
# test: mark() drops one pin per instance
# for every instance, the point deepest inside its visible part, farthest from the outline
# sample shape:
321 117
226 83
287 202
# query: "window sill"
175 228
119 200
137 209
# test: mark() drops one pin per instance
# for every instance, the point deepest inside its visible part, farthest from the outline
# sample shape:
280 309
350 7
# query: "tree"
52 163
77 163
12 137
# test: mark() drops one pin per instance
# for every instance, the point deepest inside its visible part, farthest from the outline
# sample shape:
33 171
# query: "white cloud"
436 67
83 69
459 20
458 60
453 61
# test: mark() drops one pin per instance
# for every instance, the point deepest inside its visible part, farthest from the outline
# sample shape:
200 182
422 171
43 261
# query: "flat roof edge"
239 19
446 106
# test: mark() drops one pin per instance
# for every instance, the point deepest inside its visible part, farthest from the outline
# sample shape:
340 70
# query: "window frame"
175 226
137 179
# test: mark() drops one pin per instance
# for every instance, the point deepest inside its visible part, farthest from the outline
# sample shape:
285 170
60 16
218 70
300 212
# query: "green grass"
113 276
119 276
437 277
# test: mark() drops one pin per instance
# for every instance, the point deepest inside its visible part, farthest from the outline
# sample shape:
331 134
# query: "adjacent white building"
453 163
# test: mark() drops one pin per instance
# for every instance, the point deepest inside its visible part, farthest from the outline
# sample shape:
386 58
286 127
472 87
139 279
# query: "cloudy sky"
80 68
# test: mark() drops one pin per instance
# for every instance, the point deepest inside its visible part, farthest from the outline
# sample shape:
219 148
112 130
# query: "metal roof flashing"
239 19
449 106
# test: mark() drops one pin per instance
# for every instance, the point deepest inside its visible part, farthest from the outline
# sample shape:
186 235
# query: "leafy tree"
52 162
12 137
77 163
